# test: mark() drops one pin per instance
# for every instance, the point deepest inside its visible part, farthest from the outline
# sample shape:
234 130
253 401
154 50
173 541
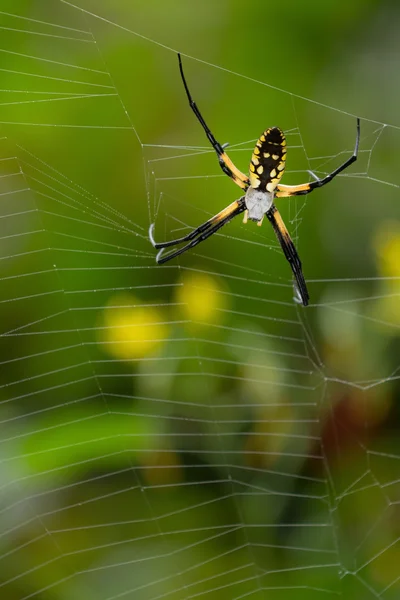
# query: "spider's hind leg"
200 233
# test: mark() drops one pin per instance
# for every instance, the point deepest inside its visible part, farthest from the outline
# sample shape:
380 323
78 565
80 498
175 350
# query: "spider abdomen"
258 203
268 160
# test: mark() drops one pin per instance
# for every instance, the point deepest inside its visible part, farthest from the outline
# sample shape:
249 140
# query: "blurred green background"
189 430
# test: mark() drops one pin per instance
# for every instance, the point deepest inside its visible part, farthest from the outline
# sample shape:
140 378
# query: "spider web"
186 431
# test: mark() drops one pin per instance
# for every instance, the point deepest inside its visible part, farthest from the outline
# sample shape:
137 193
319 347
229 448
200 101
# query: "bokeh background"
189 430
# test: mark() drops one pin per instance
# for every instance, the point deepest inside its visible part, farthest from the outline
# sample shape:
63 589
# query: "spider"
260 189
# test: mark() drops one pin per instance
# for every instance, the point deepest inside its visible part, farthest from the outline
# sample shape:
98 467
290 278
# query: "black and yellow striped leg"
225 162
199 234
289 251
284 191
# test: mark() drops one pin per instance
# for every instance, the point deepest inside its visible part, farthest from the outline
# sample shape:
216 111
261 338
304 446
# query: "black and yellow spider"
261 188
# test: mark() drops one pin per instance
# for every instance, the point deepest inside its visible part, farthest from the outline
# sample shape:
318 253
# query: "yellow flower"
202 297
387 248
132 329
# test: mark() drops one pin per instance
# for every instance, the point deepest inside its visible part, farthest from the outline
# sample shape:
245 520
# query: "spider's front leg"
225 162
285 191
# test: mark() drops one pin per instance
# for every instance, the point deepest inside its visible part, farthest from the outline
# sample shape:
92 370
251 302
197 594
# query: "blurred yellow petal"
390 308
387 248
386 310
202 297
132 329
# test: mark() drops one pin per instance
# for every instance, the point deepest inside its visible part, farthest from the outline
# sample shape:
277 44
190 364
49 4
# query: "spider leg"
201 233
225 162
289 251
284 191
230 211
